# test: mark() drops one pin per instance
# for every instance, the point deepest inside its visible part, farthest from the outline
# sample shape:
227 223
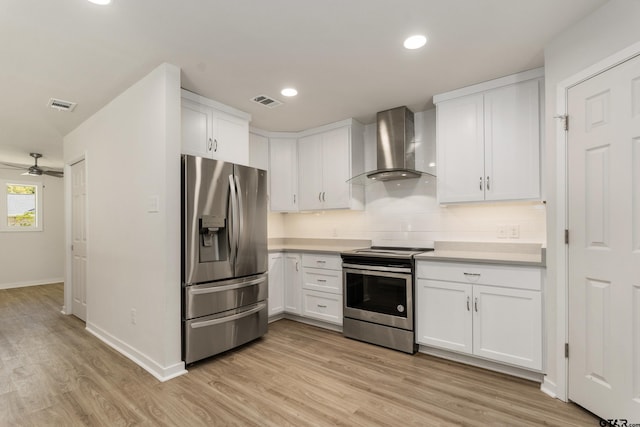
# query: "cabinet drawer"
322 306
318 279
332 262
482 274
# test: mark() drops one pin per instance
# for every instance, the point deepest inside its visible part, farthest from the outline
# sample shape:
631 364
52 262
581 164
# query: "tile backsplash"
407 212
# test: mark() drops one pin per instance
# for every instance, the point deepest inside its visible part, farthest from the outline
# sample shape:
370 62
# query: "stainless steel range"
378 296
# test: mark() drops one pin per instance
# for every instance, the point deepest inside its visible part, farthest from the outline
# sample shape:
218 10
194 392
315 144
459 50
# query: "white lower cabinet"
292 283
322 306
459 309
276 284
322 287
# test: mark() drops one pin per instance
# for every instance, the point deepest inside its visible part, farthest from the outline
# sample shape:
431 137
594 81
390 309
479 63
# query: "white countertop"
332 246
531 254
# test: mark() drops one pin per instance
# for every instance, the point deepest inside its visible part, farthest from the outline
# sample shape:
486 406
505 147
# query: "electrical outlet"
502 231
514 231
133 316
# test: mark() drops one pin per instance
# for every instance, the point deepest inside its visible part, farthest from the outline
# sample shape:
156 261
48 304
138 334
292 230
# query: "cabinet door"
460 149
512 142
336 158
507 325
283 173
276 284
443 315
293 284
196 129
310 172
231 139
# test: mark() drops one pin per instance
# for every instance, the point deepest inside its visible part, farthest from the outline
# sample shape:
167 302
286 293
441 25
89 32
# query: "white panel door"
292 283
460 149
443 315
283 174
507 325
604 247
196 124
79 240
512 142
336 158
310 172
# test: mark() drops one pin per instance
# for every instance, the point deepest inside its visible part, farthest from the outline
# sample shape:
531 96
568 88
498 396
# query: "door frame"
561 388
67 308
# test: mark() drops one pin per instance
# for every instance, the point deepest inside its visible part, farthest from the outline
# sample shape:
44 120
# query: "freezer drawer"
210 335
215 297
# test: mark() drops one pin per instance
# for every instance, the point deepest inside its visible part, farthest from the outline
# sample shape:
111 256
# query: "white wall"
606 31
132 151
35 257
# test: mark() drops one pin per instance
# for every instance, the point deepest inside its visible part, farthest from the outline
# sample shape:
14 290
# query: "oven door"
379 295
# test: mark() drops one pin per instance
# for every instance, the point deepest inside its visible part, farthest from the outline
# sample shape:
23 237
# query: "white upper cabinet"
327 159
283 174
488 140
214 130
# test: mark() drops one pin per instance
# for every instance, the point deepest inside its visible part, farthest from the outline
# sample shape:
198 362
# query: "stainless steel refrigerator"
224 263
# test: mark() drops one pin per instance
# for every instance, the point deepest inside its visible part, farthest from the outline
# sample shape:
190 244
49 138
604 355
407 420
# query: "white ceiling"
345 57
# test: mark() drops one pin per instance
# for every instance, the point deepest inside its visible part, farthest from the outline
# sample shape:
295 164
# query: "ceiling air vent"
266 101
60 105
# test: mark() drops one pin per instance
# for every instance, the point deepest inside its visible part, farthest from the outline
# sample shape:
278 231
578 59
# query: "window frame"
4 208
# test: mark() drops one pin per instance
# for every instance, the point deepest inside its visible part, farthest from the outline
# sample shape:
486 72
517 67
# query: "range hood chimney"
395 147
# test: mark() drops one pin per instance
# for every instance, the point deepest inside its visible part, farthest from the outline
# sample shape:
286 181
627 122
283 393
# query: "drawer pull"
322 306
322 281
472 274
321 261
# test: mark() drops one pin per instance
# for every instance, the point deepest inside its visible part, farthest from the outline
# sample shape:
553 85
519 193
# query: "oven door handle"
364 268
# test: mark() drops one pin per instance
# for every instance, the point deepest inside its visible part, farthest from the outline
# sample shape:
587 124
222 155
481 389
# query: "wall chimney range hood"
395 148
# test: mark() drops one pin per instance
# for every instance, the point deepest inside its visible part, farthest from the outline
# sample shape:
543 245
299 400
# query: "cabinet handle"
480 183
488 184
294 199
468 304
323 193
322 306
209 145
297 266
215 145
320 196
475 304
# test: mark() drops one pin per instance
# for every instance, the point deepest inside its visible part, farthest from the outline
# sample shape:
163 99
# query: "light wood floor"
53 372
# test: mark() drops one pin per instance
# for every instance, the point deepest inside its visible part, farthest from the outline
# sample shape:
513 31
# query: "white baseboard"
31 283
550 388
159 372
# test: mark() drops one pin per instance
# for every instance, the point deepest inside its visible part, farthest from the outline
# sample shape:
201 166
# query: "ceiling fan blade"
56 174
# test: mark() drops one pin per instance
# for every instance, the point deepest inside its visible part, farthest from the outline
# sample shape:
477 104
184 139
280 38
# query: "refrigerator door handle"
215 289
231 318
233 235
241 214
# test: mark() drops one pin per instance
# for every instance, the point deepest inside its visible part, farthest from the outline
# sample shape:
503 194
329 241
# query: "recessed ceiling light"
289 92
100 2
415 42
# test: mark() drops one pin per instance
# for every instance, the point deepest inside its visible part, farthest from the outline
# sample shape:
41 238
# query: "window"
21 206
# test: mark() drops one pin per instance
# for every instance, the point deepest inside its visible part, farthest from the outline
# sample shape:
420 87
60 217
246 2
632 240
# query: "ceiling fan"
35 170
